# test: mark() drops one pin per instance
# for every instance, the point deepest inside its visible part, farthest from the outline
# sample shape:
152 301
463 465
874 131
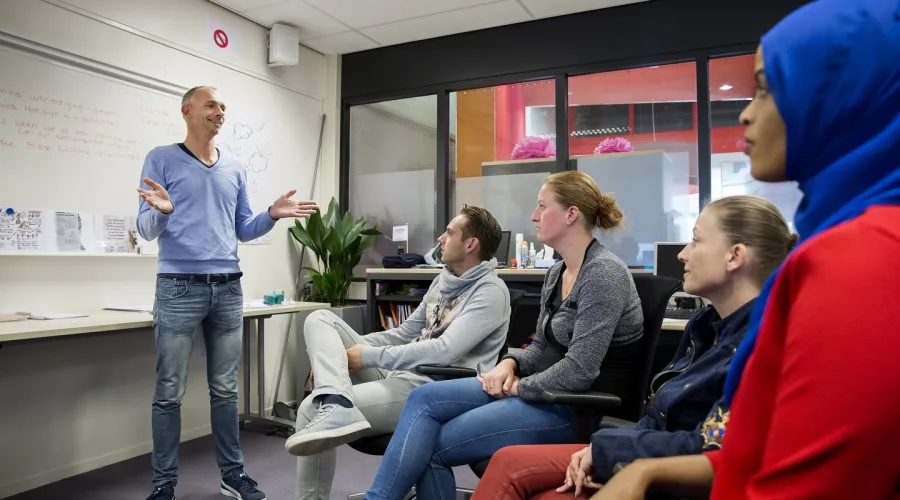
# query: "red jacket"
817 413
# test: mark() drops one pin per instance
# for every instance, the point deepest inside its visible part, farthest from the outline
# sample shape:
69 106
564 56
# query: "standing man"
195 201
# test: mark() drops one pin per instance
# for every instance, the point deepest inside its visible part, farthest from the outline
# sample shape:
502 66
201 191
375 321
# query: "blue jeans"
180 307
452 423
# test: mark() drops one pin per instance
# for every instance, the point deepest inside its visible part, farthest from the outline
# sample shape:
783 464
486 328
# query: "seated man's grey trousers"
379 394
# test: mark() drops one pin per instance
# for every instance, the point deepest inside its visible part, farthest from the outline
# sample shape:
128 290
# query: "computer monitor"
503 249
665 260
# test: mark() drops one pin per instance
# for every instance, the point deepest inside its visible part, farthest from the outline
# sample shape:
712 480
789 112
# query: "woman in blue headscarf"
813 389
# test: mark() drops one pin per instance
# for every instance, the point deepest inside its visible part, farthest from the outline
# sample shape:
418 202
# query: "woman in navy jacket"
738 242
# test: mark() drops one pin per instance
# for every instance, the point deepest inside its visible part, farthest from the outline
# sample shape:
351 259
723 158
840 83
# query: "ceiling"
344 26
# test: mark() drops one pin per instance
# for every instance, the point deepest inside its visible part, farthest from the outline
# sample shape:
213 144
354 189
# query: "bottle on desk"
518 260
531 256
523 255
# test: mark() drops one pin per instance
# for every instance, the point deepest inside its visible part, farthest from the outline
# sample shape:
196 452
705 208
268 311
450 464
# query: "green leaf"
316 228
299 233
332 214
353 234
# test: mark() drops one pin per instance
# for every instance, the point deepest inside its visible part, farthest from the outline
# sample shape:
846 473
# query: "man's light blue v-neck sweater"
212 212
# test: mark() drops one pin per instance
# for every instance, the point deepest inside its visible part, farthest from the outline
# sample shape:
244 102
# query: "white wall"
73 405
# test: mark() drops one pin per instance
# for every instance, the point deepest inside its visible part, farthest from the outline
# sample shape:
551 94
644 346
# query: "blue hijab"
833 68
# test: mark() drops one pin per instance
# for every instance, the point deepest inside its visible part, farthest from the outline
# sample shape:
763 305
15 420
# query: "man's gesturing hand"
285 207
157 196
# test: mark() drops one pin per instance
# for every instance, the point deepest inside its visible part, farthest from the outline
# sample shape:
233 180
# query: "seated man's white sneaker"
332 426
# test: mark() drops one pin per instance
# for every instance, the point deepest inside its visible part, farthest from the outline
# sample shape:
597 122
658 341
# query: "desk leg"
260 415
246 356
261 365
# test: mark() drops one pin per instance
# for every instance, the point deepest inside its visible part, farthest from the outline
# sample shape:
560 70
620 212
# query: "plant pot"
354 315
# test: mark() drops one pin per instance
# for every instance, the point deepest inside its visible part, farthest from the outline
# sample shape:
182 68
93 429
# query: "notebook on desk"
51 315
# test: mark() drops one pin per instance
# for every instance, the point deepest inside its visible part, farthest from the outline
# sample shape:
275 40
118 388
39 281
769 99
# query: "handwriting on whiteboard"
45 123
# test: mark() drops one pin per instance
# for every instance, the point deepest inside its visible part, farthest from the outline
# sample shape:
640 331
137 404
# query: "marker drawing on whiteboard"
242 131
259 161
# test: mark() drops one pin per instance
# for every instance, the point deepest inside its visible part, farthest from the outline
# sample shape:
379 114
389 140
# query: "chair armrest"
446 371
594 400
615 423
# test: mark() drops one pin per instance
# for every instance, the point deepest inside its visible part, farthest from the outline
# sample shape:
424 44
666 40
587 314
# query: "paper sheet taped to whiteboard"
29 230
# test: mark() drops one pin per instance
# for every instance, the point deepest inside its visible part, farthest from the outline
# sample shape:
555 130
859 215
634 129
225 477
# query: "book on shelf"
393 314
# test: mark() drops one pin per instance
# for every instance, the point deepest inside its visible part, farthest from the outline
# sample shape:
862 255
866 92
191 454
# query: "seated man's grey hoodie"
462 321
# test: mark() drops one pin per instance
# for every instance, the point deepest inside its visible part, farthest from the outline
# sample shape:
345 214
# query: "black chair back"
655 292
515 296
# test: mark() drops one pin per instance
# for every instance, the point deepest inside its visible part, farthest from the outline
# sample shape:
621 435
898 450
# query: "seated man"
361 383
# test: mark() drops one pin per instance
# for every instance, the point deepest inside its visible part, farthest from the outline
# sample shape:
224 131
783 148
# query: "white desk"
105 322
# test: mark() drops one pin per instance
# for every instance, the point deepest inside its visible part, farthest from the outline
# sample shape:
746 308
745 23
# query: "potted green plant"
338 244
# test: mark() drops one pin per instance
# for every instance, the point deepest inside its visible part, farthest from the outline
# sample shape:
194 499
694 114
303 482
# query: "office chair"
377 445
654 292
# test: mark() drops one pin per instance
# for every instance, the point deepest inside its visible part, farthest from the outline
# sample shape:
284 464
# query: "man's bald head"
189 95
203 111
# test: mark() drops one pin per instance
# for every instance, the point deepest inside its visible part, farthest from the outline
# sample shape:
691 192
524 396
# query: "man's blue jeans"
453 423
181 306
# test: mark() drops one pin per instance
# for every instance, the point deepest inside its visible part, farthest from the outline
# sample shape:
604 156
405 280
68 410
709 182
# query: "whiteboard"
73 141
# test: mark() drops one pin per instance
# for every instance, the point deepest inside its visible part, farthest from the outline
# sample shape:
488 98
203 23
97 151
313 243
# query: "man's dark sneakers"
238 485
163 492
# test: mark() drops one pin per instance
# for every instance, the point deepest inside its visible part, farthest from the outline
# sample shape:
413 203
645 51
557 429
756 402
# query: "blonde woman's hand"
499 381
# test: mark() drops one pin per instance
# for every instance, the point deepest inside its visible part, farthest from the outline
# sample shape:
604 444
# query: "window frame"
443 209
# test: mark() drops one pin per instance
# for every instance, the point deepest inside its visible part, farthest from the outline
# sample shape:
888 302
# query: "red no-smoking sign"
221 39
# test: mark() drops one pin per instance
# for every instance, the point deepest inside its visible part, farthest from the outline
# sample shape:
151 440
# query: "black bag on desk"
405 261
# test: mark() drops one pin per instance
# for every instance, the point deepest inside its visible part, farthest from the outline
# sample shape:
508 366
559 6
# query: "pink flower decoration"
614 145
533 147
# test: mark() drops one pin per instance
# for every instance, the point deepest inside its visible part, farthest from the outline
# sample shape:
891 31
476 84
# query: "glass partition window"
392 172
635 132
731 88
502 147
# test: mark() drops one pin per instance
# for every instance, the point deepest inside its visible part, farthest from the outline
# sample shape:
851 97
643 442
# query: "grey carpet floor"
265 459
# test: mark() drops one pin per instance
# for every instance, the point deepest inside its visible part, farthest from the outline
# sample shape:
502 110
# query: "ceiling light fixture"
726 87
